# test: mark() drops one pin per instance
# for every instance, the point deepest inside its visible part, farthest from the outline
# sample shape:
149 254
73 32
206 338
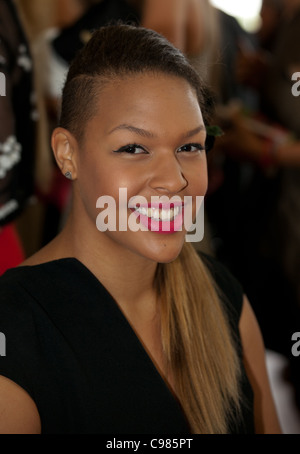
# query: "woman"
124 331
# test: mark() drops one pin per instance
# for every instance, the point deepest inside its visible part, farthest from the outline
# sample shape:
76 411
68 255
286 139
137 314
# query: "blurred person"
67 12
268 141
61 14
54 49
18 117
271 14
228 177
278 100
50 13
283 106
177 20
52 191
38 15
271 141
182 22
252 63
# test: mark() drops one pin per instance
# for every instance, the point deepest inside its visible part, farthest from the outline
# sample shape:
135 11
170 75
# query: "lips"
167 214
161 217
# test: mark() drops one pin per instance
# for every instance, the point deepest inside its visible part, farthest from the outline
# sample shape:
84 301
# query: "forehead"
152 99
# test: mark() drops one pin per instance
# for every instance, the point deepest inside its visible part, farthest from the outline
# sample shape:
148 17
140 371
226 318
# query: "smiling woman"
130 331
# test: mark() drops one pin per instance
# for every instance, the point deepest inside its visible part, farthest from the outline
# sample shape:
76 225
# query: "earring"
69 175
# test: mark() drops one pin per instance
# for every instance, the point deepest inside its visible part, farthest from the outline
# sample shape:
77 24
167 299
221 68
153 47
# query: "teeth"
159 215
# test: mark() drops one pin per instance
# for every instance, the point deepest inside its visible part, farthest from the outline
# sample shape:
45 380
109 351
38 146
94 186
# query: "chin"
165 251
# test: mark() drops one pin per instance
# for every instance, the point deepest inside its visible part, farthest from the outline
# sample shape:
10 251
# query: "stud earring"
69 175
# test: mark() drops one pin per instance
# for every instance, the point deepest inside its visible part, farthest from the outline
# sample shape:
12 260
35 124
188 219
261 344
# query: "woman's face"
147 138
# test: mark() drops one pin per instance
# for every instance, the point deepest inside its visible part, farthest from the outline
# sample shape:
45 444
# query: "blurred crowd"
253 201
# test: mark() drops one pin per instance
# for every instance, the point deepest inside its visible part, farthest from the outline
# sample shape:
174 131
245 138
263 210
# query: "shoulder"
16 280
43 291
27 290
19 300
13 289
31 310
28 280
17 325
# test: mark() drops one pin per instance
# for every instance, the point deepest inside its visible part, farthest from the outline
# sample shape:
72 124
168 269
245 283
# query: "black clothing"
71 348
17 116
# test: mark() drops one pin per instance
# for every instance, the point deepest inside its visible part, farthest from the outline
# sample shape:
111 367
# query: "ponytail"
198 345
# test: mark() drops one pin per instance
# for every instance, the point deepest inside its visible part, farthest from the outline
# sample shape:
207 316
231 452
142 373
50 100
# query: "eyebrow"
139 131
150 135
193 132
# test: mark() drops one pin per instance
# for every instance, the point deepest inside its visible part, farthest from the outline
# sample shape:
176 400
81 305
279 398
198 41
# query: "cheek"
98 181
198 180
102 179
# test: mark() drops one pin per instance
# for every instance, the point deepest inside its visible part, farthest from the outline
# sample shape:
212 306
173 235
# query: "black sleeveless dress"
70 347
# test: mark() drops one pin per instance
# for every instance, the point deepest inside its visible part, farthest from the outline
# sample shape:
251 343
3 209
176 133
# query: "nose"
167 176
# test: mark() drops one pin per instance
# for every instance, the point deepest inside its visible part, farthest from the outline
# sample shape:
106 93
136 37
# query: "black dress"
70 347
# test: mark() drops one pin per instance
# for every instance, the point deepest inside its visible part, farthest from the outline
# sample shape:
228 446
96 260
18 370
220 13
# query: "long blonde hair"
198 344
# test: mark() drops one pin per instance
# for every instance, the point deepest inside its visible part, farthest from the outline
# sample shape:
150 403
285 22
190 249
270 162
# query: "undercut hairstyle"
115 52
199 346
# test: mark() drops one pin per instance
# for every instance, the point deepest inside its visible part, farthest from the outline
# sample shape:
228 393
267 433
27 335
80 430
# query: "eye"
191 148
131 149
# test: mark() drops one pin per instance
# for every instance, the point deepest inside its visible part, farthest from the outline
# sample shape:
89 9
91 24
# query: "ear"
65 149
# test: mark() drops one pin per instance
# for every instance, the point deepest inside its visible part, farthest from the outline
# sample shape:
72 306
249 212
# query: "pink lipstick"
161 217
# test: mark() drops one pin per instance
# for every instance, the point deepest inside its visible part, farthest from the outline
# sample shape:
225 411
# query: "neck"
127 276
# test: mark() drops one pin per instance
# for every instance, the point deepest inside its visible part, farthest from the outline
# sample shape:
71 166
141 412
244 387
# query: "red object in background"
11 251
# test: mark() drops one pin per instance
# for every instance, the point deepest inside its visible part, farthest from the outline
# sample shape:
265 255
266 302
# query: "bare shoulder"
18 412
266 420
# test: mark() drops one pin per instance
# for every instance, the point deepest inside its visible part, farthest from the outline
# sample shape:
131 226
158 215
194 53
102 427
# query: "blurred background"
247 52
